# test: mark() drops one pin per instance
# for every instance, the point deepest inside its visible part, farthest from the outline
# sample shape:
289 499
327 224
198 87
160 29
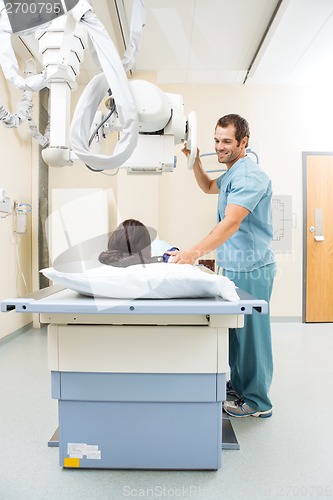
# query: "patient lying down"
130 244
127 270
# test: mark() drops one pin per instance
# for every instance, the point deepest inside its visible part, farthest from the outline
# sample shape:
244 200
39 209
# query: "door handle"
318 215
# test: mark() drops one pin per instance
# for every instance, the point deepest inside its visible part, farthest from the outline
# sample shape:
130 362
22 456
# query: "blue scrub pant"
250 347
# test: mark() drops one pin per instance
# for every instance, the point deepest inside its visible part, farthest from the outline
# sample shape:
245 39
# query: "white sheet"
151 281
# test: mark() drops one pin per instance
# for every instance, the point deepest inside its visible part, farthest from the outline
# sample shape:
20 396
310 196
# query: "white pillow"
150 281
158 247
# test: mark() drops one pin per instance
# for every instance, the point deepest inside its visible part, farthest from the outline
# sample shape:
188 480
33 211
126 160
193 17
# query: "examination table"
139 383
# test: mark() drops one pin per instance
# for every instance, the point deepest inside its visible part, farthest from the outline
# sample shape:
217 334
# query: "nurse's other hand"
182 257
186 151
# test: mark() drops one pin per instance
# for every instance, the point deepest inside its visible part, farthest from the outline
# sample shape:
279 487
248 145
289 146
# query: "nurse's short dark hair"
242 128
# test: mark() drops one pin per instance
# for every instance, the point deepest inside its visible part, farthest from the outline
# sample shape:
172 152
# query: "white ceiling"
230 41
202 41
225 41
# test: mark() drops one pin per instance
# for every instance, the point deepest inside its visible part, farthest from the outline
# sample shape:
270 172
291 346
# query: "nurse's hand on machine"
187 152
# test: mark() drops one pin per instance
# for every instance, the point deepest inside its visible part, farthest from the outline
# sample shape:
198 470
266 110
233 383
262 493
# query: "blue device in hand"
166 257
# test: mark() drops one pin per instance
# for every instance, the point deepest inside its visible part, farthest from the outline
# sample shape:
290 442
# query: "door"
318 238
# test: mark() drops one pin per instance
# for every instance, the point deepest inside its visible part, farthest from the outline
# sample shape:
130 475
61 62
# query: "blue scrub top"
247 185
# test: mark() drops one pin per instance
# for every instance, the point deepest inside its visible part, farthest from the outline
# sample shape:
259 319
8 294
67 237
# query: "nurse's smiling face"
227 148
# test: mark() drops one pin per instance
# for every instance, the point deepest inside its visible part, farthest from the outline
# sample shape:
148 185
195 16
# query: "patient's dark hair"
130 238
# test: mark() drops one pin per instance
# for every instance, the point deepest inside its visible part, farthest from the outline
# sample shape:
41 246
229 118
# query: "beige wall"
284 122
15 178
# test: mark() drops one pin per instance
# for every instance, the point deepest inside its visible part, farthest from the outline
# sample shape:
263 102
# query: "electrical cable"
95 132
24 208
19 267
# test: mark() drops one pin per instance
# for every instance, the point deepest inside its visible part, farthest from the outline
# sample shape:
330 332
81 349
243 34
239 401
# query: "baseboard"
11 336
286 319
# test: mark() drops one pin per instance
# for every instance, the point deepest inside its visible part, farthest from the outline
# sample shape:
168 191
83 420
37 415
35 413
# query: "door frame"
305 155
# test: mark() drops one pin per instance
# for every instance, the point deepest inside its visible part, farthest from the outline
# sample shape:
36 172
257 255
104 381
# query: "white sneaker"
239 408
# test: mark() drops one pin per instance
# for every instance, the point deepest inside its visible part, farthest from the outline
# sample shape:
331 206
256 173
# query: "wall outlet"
21 223
6 205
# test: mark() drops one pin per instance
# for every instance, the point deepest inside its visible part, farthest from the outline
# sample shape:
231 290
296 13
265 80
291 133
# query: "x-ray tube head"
26 16
152 104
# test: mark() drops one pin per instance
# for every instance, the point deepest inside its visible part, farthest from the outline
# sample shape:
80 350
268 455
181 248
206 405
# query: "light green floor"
287 456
